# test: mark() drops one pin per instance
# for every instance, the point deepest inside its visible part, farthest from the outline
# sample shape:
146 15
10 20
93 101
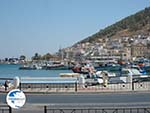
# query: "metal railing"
138 86
96 110
48 87
50 109
5 109
76 87
110 87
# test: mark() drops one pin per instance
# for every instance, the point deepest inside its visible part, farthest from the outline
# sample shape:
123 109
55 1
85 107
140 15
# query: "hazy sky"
30 26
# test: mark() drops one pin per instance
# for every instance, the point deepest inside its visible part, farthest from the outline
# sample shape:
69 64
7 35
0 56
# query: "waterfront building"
138 50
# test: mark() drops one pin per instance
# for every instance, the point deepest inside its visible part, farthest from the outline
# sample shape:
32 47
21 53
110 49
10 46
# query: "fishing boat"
56 67
30 67
86 69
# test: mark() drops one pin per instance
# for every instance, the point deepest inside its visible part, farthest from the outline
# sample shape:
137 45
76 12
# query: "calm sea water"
13 71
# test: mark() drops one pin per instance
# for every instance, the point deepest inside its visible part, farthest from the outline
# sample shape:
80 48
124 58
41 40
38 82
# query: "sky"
43 26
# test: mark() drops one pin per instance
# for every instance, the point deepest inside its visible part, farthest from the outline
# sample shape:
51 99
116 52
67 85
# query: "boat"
109 74
30 67
79 70
55 67
108 67
27 67
143 64
147 68
140 69
128 75
69 75
86 69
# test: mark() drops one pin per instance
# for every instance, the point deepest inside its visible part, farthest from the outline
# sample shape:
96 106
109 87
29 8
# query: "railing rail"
96 110
5 109
138 86
90 109
76 87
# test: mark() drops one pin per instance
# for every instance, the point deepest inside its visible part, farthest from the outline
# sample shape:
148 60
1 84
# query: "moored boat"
69 74
56 67
30 67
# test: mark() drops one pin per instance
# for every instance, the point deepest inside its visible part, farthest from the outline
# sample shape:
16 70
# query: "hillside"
138 23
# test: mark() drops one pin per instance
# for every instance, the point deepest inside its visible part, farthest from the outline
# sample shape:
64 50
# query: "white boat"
69 74
100 77
30 67
128 75
100 73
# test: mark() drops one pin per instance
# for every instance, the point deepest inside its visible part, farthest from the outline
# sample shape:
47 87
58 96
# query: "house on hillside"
138 50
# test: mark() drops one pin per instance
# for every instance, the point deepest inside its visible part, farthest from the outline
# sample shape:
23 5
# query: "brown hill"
138 23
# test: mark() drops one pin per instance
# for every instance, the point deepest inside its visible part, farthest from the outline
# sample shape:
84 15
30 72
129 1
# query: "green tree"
36 57
22 57
47 57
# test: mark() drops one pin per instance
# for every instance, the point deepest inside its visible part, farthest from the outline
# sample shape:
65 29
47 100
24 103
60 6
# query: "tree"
36 57
22 57
47 57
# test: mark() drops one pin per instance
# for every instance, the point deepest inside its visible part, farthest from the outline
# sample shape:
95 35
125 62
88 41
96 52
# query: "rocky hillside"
138 23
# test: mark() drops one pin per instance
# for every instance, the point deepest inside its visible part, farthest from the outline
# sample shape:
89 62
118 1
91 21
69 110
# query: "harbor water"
13 71
10 71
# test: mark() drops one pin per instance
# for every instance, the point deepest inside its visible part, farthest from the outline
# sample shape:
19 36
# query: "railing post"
20 85
76 85
132 86
45 109
10 109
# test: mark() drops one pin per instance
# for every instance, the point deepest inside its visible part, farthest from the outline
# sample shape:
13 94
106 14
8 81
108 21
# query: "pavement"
35 102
